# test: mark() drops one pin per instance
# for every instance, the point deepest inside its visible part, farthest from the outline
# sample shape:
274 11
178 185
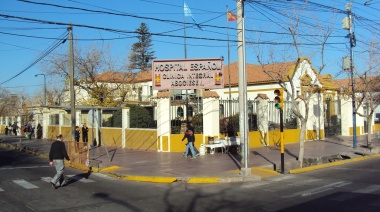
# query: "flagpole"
228 68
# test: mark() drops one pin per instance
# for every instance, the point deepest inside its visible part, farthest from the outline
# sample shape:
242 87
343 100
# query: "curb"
337 163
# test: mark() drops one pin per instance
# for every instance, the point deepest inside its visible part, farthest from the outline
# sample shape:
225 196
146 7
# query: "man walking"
57 155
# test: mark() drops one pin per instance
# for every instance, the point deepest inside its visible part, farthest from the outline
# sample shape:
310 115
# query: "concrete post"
78 120
45 122
163 123
210 117
125 114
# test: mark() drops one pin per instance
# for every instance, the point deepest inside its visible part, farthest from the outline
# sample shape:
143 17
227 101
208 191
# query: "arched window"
221 109
179 111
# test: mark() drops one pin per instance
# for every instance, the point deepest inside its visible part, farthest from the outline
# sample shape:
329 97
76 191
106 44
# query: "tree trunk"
369 126
301 150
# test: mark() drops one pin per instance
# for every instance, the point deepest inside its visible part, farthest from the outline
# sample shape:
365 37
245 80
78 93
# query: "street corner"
332 164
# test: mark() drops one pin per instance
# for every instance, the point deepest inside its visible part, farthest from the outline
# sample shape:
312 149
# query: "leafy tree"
141 52
139 118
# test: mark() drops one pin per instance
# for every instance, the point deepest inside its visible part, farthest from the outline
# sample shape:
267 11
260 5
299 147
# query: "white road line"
1 189
368 190
80 179
294 184
46 179
25 184
26 167
315 190
253 185
286 177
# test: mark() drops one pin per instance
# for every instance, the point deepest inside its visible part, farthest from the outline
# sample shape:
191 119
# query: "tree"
309 86
96 74
141 52
367 87
9 103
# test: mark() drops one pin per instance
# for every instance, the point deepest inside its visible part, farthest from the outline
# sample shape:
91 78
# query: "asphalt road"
24 186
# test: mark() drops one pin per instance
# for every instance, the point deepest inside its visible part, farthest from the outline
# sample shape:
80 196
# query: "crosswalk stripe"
368 190
46 179
81 179
253 185
356 193
1 189
103 176
25 184
316 190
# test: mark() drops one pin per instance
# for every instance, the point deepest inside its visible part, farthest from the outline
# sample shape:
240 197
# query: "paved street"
24 187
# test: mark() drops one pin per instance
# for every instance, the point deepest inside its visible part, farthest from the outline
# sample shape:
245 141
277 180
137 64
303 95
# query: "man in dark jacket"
189 134
57 155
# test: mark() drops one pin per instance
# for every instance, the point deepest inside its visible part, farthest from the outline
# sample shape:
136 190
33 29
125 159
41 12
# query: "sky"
31 31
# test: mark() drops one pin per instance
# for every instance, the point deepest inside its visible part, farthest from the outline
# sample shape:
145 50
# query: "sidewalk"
210 168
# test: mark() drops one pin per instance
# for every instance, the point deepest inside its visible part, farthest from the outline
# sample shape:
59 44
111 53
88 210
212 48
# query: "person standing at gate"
57 155
77 136
85 135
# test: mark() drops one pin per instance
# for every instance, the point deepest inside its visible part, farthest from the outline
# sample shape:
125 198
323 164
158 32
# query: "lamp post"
44 86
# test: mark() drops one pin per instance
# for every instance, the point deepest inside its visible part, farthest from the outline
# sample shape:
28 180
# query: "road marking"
316 190
368 190
294 184
286 177
46 179
253 185
26 167
1 189
356 193
80 179
25 184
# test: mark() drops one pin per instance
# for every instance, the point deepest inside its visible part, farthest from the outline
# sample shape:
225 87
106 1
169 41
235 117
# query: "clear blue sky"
22 42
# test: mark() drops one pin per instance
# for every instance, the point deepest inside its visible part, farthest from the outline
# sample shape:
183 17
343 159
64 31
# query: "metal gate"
333 125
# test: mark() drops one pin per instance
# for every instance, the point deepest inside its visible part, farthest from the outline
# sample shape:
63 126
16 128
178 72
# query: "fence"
229 112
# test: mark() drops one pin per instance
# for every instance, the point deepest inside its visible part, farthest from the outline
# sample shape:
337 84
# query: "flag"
231 16
187 12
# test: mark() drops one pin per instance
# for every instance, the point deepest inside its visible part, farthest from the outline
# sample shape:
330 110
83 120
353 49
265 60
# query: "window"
180 111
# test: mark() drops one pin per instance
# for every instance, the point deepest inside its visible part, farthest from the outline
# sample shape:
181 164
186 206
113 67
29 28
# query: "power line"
47 52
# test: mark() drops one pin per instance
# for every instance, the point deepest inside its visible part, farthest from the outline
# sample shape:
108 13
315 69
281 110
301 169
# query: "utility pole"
72 93
243 118
348 24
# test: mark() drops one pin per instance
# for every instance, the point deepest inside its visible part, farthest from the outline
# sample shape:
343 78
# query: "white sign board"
187 74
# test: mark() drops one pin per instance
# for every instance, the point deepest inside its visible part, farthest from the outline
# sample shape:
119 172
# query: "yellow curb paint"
150 179
203 180
337 163
262 172
110 168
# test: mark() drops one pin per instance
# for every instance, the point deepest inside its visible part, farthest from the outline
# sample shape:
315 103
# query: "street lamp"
44 86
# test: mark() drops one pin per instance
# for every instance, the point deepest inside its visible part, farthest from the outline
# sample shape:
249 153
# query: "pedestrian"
77 136
57 155
39 131
6 130
85 135
195 148
189 134
15 128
